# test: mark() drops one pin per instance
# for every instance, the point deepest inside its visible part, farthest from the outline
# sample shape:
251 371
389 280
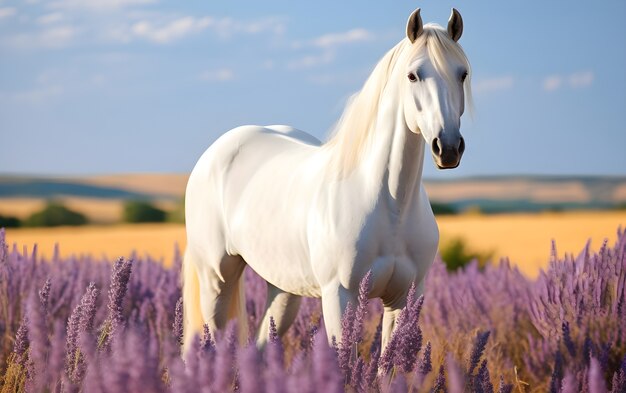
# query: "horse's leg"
395 300
390 315
283 308
334 301
217 290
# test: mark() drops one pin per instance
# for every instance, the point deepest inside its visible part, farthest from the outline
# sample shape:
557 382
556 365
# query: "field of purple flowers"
88 325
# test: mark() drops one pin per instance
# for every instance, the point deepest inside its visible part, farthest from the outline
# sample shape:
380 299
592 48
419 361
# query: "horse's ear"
455 25
414 26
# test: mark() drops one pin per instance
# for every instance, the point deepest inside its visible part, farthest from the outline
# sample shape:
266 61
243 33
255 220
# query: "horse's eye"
463 76
412 77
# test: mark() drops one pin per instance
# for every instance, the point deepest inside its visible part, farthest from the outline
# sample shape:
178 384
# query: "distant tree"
442 208
178 213
455 254
142 211
9 222
54 214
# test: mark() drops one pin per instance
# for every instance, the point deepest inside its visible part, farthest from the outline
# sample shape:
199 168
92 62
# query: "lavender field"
89 325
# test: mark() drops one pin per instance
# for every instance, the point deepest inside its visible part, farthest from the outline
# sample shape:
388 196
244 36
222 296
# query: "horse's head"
435 78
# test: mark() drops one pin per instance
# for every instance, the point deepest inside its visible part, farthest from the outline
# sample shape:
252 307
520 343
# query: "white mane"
351 133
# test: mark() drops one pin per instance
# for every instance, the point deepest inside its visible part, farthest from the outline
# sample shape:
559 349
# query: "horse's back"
224 184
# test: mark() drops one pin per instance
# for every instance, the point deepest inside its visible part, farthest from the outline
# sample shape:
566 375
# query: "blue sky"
110 86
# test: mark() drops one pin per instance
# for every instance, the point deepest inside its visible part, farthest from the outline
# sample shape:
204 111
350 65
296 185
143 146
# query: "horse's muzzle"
447 155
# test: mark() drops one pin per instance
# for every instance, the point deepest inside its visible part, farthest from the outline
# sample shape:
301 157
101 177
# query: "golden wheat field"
524 238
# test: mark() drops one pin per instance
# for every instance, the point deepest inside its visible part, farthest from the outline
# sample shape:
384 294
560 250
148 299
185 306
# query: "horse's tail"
192 312
237 309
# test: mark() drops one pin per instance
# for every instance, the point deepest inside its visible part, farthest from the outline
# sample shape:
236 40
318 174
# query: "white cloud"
50 18
312 60
575 80
493 84
348 37
6 12
219 75
227 27
581 79
52 38
57 37
171 31
98 5
328 43
552 82
164 32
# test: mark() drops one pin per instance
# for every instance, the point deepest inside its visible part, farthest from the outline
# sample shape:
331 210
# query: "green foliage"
54 215
442 208
9 222
178 213
456 254
142 211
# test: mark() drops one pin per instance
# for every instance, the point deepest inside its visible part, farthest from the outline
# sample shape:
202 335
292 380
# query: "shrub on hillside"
456 253
9 222
442 208
54 214
141 211
178 213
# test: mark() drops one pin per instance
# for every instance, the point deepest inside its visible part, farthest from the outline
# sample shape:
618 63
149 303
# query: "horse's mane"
350 135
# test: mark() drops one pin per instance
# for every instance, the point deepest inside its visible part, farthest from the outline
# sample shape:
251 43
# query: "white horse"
312 219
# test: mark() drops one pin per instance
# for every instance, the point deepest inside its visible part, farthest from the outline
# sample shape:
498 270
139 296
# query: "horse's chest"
391 248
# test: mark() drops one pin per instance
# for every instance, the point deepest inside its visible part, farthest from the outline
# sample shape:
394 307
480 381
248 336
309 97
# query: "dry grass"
524 238
157 240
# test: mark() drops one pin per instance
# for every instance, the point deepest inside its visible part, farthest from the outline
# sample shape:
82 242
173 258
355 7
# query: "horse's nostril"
461 146
436 147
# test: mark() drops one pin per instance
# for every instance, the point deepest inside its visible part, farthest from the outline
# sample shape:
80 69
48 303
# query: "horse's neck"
395 158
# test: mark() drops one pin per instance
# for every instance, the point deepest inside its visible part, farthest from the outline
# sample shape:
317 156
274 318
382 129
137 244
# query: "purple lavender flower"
273 334
440 381
345 350
88 308
482 382
569 384
567 339
120 276
357 375
80 321
206 343
177 327
361 310
274 373
596 377
557 373
44 295
56 359
119 284
39 344
21 341
426 365
456 380
249 370
477 350
327 375
504 387
3 246
619 381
